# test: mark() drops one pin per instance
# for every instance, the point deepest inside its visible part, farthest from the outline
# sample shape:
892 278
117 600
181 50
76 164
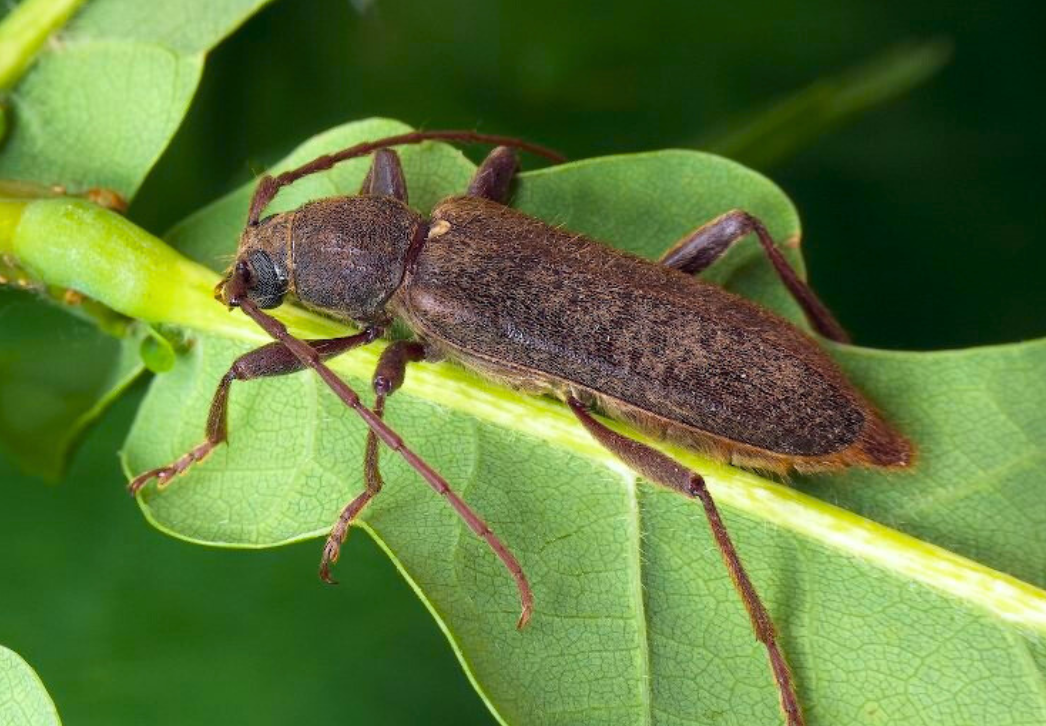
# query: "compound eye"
267 284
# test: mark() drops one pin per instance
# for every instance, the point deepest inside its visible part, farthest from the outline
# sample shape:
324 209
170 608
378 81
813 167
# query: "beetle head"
261 271
341 256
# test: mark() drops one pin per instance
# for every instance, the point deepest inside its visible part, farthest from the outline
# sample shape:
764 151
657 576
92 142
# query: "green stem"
788 125
76 245
12 273
10 215
25 29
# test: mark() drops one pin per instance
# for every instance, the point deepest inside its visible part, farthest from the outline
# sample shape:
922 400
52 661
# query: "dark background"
922 230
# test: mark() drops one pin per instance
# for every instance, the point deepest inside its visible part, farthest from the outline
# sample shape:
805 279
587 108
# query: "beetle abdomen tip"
886 447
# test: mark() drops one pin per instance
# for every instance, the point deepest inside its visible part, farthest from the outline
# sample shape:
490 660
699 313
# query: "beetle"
546 311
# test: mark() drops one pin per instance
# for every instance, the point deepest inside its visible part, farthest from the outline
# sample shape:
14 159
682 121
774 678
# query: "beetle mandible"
549 312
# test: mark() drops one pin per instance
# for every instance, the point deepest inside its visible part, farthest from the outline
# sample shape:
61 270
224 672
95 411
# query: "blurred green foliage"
128 626
935 197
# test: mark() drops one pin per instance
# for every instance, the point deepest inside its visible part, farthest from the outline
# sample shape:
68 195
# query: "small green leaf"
57 374
792 123
23 698
107 93
636 620
157 351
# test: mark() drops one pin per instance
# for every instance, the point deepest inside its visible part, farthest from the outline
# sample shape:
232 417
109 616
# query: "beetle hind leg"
661 469
700 248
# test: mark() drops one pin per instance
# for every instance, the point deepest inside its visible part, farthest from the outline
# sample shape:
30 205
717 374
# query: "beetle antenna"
269 186
236 296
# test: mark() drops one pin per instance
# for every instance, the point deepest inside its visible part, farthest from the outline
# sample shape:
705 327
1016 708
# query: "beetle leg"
660 469
390 438
385 176
388 377
699 249
392 366
493 179
269 186
269 360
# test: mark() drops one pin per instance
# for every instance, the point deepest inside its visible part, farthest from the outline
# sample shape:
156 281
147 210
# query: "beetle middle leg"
663 470
388 377
392 366
309 357
493 178
270 360
700 248
269 186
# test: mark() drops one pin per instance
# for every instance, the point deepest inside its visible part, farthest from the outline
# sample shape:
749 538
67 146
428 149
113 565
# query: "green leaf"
96 110
106 95
978 418
57 374
636 620
23 698
767 137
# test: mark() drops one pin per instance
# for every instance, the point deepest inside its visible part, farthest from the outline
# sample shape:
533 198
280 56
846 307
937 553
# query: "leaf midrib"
642 614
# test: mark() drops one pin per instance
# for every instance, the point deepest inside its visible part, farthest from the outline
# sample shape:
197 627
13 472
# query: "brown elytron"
507 294
547 311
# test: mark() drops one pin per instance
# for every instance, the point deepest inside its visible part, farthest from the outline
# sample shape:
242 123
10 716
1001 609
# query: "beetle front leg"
660 469
390 438
269 186
270 360
699 249
493 179
385 176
